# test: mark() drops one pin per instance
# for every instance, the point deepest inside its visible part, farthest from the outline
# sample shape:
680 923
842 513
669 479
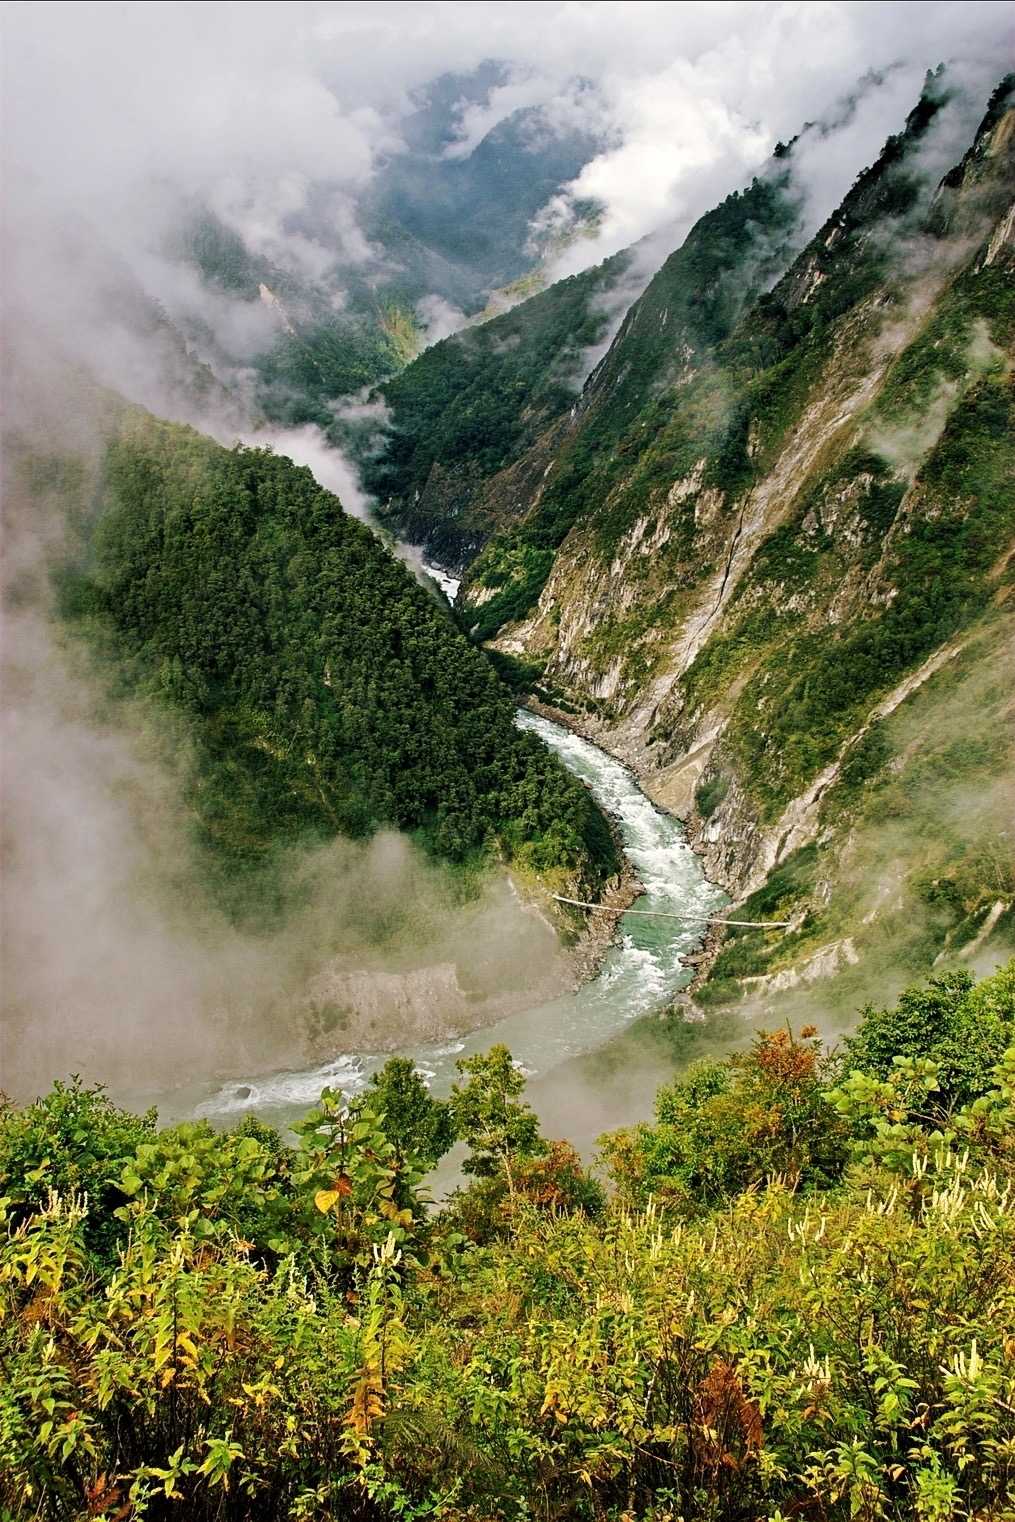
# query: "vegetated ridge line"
661 914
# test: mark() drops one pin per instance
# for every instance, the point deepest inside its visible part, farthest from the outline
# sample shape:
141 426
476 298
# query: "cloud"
688 133
439 318
121 115
558 106
308 446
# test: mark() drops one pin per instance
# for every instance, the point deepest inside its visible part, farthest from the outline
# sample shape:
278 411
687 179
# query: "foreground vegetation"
797 1298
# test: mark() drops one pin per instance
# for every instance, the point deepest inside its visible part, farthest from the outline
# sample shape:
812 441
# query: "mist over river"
641 972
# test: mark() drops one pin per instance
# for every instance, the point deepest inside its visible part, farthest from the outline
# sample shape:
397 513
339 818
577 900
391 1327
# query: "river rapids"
642 970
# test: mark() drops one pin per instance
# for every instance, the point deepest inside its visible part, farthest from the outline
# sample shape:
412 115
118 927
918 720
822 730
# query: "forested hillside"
795 1301
313 352
325 691
476 403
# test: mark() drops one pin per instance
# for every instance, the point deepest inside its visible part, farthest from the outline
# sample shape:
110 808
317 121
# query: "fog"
119 121
118 962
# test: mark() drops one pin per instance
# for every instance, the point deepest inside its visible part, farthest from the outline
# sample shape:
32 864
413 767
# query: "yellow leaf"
324 1199
168 1375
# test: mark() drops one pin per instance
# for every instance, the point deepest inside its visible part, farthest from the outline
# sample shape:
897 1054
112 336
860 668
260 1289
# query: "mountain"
321 689
457 222
766 556
332 337
478 424
472 406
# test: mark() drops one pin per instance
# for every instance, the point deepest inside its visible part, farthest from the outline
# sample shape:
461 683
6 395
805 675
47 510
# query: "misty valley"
640 971
508 856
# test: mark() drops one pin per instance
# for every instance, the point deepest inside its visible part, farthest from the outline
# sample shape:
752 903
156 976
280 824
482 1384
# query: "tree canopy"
327 691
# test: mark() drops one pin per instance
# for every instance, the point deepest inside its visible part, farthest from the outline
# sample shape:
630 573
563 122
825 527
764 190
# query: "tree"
359 1184
964 1030
728 1126
410 1117
489 1114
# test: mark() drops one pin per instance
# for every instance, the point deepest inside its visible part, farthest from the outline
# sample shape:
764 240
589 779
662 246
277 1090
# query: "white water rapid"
642 970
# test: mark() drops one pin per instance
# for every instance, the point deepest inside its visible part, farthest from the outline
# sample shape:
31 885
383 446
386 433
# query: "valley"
733 558
640 974
508 854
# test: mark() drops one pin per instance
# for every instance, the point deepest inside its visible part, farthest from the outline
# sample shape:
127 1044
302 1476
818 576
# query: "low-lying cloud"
120 120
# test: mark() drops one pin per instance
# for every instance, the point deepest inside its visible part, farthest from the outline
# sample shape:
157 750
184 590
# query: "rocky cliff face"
767 558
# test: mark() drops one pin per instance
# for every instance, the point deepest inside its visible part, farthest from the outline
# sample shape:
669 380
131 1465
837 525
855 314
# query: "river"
642 970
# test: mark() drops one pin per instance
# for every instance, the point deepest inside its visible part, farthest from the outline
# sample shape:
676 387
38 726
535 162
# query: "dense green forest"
326 691
790 1295
472 405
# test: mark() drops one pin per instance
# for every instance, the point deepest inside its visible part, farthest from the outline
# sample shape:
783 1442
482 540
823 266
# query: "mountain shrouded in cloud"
678 340
242 218
371 156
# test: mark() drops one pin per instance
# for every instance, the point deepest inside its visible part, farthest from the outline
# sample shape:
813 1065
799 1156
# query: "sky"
116 113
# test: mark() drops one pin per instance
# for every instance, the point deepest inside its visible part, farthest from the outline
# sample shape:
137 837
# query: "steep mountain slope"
324 691
312 348
740 570
479 423
473 405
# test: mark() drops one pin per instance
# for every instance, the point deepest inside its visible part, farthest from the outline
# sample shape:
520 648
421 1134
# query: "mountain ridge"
735 587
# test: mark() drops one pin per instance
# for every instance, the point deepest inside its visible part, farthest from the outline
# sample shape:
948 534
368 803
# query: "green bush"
964 1029
799 1300
708 795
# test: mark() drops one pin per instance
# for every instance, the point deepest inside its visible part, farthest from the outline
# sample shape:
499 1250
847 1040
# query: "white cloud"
252 103
439 318
329 466
118 117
